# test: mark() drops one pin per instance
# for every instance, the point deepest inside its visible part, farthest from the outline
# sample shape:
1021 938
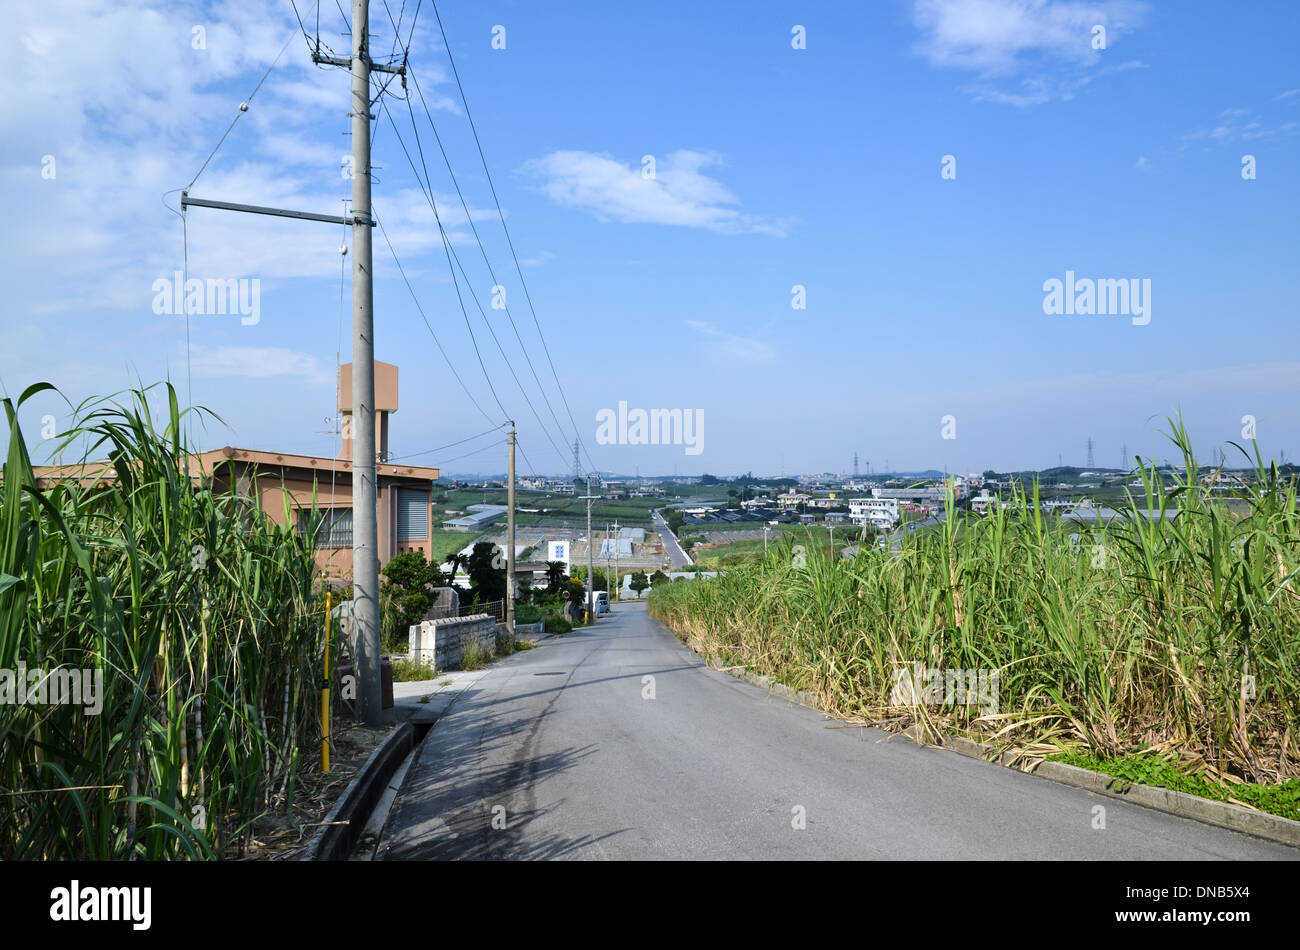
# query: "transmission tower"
577 462
1091 463
855 465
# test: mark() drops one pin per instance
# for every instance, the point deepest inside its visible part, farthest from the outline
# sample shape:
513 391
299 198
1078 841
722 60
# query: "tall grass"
199 611
1133 635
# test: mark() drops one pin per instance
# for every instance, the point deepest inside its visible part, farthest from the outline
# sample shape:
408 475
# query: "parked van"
601 605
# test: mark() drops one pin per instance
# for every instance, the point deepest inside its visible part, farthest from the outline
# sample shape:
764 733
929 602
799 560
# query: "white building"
877 512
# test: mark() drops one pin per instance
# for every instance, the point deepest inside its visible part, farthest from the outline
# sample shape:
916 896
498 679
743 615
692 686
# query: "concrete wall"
530 631
443 640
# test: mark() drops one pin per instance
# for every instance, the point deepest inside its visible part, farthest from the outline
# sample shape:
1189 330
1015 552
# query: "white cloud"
746 348
678 194
256 362
998 38
539 259
1236 125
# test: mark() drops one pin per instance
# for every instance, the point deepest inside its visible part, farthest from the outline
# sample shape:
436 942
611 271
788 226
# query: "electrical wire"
504 228
452 263
243 108
449 445
401 270
483 251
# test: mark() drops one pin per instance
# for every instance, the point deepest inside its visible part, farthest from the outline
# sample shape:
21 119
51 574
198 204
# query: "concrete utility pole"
510 530
591 574
365 497
365 501
613 587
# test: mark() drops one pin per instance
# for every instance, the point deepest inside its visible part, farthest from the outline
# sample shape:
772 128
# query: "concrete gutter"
1223 814
343 827
335 838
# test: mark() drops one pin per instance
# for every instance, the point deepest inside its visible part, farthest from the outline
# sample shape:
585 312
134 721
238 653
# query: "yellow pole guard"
325 694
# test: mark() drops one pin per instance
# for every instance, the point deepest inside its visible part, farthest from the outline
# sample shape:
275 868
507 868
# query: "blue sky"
775 167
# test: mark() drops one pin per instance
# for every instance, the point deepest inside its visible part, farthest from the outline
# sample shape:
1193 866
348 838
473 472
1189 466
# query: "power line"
468 454
429 326
482 250
453 261
449 445
502 217
243 107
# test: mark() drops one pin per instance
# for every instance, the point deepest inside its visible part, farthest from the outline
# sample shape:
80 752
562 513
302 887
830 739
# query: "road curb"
1257 824
337 836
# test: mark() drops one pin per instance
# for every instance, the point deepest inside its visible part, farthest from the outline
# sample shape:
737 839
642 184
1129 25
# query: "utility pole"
365 496
614 581
591 574
510 550
365 499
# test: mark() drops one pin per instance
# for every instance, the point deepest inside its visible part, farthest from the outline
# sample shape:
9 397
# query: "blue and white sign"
558 551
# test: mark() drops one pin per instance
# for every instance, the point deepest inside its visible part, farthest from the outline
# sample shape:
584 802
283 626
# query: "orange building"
405 491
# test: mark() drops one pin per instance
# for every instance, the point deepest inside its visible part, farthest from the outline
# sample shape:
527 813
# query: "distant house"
478 518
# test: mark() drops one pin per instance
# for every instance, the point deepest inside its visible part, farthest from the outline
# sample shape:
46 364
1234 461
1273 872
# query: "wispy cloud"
538 259
745 348
1237 125
676 194
1050 40
256 362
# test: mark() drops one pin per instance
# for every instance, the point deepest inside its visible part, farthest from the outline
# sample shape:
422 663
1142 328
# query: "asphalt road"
678 557
560 752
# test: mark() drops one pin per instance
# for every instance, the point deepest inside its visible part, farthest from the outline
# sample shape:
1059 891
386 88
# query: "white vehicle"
601 605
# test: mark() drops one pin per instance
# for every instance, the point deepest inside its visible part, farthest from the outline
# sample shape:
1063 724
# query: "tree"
455 562
658 577
675 518
554 577
487 580
575 593
639 583
602 579
409 583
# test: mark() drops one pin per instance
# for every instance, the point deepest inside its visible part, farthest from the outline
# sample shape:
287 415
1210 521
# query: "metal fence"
496 608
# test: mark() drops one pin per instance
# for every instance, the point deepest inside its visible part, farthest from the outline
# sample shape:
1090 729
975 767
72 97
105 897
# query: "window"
335 529
412 514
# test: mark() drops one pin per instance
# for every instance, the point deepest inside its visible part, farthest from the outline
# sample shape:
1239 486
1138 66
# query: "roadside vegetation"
202 618
1153 636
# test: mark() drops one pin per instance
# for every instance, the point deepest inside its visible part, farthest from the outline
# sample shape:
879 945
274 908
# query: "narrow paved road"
678 557
560 752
